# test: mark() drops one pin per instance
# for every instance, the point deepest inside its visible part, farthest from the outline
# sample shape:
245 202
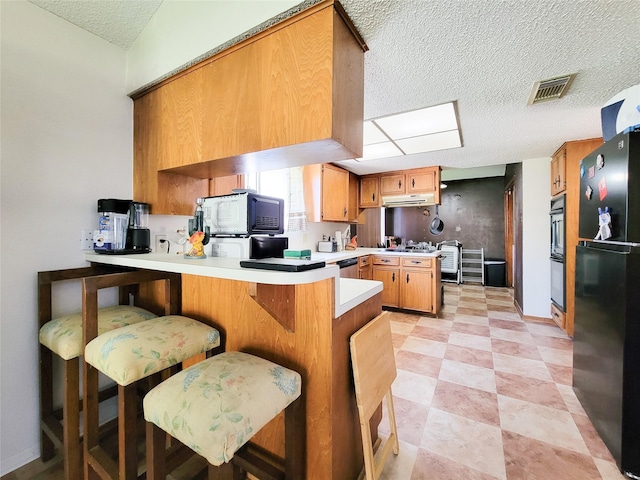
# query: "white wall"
66 127
536 237
182 31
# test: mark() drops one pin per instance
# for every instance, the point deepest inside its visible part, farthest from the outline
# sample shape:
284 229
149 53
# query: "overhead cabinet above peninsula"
288 96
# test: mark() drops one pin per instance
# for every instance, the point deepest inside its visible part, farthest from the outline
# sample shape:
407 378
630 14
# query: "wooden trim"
278 300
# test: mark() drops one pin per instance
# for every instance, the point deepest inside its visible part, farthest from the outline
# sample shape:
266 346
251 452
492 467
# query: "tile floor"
482 394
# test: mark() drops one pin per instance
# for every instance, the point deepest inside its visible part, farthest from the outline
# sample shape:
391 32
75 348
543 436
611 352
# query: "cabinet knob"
399 184
373 197
344 213
407 278
393 277
413 183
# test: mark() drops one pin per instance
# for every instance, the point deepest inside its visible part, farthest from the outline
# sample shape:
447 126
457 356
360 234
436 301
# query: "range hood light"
443 185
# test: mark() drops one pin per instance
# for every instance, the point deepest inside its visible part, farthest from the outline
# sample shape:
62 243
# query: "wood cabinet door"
558 172
421 182
369 194
335 193
354 193
416 289
390 278
392 184
225 185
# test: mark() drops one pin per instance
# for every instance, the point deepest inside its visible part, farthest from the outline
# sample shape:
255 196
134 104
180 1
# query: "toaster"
325 246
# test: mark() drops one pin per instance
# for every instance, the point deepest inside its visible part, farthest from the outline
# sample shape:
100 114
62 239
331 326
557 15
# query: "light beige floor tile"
521 366
608 470
557 357
570 399
544 329
541 423
511 335
470 341
465 441
425 346
414 387
401 328
468 375
473 319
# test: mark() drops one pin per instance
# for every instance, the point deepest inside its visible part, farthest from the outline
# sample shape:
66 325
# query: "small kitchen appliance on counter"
122 227
243 214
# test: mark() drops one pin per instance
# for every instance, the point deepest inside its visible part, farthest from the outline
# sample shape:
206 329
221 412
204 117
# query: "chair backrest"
374 365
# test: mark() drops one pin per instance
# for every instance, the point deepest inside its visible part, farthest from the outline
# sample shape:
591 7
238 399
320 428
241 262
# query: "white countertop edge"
333 257
217 267
349 292
352 292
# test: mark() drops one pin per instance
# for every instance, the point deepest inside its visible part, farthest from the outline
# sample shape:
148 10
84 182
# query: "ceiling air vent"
550 89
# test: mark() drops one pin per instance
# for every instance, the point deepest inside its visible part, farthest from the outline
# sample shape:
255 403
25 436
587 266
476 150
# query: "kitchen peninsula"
317 313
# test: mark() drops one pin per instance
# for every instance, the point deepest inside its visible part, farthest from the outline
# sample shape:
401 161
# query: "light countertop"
349 292
334 257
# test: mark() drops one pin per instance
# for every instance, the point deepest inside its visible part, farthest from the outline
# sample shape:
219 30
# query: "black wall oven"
557 251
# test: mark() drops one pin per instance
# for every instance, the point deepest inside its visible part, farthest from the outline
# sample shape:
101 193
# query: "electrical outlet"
162 244
86 240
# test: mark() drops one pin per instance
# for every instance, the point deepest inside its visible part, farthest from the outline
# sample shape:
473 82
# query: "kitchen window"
287 184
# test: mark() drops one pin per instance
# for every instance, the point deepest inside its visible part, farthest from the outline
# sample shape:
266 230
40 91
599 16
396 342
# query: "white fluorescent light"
431 143
379 150
372 134
425 121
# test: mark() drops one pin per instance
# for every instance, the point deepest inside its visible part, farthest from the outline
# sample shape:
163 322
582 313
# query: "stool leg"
71 419
47 448
156 461
127 432
90 409
295 440
226 471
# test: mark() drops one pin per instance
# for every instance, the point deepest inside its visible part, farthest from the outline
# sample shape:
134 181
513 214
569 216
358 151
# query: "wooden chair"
60 428
374 370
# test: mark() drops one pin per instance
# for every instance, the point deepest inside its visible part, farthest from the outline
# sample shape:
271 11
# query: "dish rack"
472 265
450 262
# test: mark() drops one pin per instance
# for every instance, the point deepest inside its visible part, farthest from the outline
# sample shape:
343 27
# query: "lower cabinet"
409 282
364 268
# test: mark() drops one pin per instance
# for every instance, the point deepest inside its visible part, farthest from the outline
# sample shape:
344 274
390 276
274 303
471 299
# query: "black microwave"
243 214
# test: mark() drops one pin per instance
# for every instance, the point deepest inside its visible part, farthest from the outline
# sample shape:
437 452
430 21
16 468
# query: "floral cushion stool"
217 405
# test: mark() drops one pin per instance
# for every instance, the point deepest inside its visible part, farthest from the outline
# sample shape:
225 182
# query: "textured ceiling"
117 21
484 54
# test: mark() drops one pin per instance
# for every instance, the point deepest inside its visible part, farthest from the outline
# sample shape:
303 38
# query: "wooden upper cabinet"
335 194
414 181
288 96
559 171
329 194
225 185
370 191
393 184
422 181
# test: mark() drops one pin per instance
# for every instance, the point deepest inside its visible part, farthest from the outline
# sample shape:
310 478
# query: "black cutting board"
282 264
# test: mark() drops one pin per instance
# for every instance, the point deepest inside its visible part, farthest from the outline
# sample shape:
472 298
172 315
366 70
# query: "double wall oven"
557 251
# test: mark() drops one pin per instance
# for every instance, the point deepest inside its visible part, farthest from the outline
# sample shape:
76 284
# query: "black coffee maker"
137 235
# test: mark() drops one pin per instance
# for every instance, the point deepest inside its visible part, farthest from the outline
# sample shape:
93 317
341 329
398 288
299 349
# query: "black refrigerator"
606 349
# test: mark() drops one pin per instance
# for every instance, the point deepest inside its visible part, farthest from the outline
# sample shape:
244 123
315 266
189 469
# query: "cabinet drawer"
364 261
416 262
558 316
388 261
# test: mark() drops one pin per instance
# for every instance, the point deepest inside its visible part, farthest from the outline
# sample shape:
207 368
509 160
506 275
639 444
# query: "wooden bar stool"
127 355
216 406
374 370
63 336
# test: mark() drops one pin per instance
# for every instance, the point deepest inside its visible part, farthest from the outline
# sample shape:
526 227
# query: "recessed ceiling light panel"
372 134
380 150
431 143
419 122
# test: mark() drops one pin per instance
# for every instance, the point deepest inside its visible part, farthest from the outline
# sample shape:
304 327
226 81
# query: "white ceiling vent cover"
550 89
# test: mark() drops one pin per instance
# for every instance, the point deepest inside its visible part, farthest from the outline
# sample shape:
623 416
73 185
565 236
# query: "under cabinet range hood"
409 200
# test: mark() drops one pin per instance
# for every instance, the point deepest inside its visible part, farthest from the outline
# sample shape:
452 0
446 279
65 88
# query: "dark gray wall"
472 212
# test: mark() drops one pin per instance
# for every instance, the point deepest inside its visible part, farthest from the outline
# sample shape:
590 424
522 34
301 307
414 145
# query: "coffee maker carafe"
138 234
122 227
